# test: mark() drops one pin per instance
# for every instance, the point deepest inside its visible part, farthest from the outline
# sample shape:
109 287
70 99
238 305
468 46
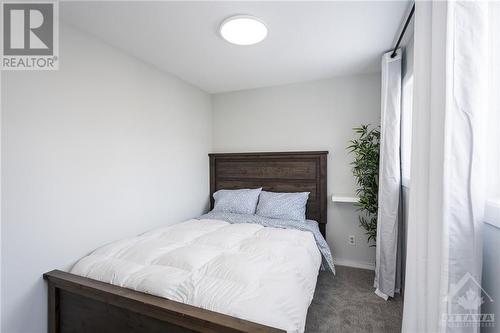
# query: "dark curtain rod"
404 30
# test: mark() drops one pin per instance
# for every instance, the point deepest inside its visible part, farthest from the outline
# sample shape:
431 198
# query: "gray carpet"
347 303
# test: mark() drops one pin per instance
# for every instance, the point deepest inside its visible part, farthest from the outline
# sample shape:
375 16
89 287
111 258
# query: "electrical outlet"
352 240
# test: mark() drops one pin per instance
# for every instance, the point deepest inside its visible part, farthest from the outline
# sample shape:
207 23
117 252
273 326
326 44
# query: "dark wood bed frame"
275 172
78 304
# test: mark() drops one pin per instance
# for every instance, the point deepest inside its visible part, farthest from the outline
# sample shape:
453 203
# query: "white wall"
491 274
104 148
316 115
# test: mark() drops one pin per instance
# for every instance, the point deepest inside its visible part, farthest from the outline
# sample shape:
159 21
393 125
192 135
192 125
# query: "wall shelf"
492 212
344 198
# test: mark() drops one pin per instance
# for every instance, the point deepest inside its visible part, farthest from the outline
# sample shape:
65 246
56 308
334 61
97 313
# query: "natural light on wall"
243 30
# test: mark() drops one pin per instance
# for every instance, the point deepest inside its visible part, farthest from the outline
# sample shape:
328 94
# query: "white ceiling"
306 40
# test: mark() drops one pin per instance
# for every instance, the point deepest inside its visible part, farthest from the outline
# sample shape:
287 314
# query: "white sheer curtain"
452 150
389 178
493 130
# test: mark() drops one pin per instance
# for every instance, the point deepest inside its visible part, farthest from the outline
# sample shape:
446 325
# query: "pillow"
285 206
236 201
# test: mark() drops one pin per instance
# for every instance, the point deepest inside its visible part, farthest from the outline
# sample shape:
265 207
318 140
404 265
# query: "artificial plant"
366 148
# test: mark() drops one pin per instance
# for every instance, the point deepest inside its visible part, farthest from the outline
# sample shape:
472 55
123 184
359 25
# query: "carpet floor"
346 302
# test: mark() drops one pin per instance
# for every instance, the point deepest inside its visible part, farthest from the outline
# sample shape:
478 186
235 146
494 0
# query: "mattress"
261 274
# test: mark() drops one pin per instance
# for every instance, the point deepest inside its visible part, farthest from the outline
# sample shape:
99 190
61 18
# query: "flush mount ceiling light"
243 30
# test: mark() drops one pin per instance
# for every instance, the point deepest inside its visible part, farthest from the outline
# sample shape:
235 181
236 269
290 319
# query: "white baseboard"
355 264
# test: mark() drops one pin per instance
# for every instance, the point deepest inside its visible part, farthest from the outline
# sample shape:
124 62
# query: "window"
406 116
492 140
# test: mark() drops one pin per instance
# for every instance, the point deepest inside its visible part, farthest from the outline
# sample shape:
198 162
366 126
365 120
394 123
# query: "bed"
210 274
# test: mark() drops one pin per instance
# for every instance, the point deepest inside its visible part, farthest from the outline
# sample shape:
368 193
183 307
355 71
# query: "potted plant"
366 148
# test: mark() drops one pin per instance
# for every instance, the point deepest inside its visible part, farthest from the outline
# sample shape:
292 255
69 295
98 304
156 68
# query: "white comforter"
262 274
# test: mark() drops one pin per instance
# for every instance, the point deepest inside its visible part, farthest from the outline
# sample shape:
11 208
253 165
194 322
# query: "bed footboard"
78 304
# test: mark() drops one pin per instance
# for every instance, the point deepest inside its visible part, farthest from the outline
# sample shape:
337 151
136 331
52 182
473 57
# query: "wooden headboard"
276 172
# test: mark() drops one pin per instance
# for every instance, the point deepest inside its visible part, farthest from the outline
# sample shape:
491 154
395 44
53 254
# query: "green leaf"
366 150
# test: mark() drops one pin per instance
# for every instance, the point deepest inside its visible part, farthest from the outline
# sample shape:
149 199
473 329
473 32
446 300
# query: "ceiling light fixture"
243 30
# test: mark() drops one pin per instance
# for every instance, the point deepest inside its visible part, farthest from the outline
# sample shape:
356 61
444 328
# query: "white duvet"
262 274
